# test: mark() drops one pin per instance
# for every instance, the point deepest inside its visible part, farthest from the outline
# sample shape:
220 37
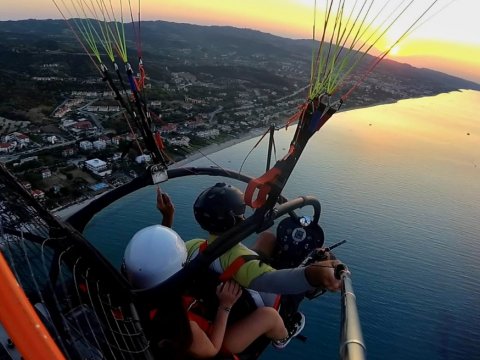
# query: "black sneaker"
294 326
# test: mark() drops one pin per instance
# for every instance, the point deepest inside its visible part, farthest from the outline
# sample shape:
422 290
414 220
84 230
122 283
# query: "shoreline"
67 211
206 151
214 148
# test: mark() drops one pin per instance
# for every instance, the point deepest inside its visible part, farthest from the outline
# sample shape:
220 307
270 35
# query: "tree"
65 191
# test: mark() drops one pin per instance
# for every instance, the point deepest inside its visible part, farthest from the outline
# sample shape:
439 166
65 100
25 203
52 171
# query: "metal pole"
352 346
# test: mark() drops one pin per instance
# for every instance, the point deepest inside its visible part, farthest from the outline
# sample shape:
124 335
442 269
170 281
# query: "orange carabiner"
263 185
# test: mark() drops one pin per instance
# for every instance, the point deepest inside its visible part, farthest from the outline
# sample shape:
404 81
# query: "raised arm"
165 206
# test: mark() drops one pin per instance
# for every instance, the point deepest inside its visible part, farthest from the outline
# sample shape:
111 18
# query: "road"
213 113
31 152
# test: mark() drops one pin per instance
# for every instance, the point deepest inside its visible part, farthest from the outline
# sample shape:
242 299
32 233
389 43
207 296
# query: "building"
26 185
156 103
116 140
7 147
27 159
143 159
193 124
117 156
168 128
98 167
86 145
38 194
106 139
67 123
99 144
179 141
46 173
82 126
23 140
207 134
52 139
68 152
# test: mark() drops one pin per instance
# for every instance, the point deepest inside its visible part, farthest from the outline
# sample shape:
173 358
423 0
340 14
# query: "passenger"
153 255
219 208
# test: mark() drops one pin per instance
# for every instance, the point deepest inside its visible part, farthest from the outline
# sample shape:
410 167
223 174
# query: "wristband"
226 308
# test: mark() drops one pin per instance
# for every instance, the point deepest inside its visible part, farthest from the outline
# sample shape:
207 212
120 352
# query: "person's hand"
321 274
330 282
326 254
164 204
228 293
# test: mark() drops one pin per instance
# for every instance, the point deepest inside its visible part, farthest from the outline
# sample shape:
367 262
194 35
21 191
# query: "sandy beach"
213 148
205 151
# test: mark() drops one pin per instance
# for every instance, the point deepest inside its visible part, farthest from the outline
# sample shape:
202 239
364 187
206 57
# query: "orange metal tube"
21 321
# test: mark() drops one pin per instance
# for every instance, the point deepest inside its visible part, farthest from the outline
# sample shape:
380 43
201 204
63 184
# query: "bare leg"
265 243
263 321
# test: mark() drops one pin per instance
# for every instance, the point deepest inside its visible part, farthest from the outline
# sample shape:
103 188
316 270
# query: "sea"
401 183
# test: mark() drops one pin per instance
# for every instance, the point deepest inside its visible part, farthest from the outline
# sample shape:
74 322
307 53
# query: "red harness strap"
190 303
203 246
203 323
232 269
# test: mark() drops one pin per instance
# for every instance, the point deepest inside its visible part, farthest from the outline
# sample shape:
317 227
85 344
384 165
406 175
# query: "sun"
395 50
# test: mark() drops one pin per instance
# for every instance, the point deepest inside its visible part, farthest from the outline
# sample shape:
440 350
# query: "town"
69 140
87 146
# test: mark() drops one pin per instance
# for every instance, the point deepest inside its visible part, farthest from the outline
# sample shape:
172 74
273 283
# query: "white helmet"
153 255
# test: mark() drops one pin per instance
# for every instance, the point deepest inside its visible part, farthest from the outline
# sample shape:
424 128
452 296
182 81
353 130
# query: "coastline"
206 151
213 148
66 212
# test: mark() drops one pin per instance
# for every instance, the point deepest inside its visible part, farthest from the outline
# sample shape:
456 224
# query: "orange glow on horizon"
266 15
294 19
449 57
448 41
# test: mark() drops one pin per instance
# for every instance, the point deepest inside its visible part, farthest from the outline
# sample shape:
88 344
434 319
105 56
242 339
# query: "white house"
52 139
100 144
27 159
180 141
46 173
208 133
86 145
142 159
98 167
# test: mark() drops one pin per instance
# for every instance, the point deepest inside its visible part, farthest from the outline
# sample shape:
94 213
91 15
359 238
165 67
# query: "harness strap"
232 269
203 246
152 313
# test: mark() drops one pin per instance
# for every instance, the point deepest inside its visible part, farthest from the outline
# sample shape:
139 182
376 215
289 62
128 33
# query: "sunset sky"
448 41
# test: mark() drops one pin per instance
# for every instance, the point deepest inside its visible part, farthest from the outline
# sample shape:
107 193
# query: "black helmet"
219 208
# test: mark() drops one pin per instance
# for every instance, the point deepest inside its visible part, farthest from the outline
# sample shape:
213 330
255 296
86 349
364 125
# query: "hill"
47 49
